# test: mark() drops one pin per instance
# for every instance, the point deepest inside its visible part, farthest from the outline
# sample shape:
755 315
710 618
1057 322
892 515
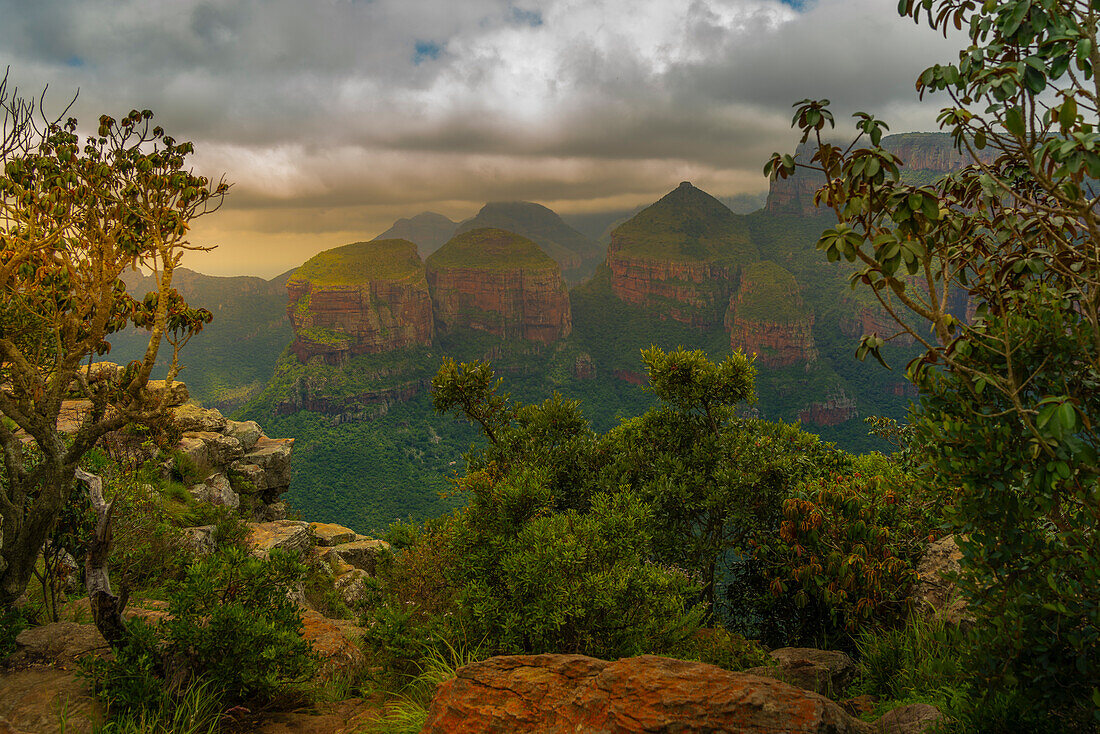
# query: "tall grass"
408 714
198 710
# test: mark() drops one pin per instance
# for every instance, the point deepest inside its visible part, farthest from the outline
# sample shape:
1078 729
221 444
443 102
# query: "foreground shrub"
232 628
849 544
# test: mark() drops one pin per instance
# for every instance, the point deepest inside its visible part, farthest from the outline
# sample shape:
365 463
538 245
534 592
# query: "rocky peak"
427 230
576 254
499 282
680 257
363 298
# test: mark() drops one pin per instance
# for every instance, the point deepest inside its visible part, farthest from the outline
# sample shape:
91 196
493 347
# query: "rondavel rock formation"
363 298
501 283
680 256
767 317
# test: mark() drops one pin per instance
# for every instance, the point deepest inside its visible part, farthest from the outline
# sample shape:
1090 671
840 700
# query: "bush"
849 544
148 548
234 625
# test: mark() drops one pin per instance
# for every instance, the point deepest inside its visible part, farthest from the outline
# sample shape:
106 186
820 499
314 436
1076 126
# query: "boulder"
177 394
351 586
934 594
914 718
220 450
200 539
361 553
59 643
246 478
272 456
290 535
276 511
47 701
194 448
329 534
573 693
330 639
247 432
190 417
827 672
217 491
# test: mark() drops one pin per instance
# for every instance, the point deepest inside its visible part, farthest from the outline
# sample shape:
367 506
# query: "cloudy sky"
333 118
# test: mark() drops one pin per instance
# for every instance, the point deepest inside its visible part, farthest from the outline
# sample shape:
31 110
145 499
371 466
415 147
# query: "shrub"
148 548
849 544
233 623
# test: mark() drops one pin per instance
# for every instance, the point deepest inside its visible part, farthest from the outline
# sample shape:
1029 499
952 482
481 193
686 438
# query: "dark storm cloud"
338 116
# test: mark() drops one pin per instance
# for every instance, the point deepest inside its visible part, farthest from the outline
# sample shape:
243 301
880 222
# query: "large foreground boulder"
553 694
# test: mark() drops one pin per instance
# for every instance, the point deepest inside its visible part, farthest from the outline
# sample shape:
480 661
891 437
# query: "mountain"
501 283
232 358
427 230
680 257
575 253
362 298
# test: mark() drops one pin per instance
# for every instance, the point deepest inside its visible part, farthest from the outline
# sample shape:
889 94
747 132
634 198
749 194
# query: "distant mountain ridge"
427 230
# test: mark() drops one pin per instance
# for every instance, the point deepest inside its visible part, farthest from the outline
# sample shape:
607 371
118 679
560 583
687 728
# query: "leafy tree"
73 217
1008 417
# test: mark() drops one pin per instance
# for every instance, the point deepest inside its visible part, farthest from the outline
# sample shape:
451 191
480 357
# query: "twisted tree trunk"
106 607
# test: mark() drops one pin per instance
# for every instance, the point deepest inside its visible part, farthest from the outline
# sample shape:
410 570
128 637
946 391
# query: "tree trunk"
106 607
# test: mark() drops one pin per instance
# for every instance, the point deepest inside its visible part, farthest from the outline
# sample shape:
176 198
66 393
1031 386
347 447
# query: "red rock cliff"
365 298
498 282
693 293
767 317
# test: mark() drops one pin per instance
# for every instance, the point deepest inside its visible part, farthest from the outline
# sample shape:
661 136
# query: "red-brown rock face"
513 304
563 694
693 293
341 308
766 316
873 319
499 282
834 410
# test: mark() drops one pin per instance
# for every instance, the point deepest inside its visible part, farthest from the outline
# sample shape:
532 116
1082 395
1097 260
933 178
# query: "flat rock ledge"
565 694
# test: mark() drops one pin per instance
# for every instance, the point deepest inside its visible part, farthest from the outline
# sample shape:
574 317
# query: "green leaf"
1014 121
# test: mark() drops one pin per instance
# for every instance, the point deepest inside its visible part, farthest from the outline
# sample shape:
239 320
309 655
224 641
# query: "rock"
32 701
59 643
583 367
220 450
329 534
498 282
767 317
290 535
272 456
217 491
177 394
827 672
679 258
363 298
246 478
351 585
247 432
361 553
553 694
190 417
859 705
194 448
934 594
330 640
200 539
914 718
836 408
276 511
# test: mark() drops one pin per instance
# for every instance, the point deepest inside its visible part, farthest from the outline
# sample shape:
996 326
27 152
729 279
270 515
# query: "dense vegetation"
361 261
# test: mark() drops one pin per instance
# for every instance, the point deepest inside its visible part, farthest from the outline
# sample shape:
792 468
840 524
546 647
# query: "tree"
73 218
1010 399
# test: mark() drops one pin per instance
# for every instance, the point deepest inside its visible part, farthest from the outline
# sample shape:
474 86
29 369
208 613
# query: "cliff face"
767 317
925 156
680 257
498 282
837 408
364 298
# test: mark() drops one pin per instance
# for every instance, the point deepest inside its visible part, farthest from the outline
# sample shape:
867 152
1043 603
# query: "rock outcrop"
827 672
935 594
767 317
836 408
563 694
680 257
363 298
925 156
498 282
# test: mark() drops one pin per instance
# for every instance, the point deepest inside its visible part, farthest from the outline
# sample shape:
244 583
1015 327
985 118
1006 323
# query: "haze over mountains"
340 354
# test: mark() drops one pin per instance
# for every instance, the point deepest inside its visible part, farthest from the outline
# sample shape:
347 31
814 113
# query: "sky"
333 118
